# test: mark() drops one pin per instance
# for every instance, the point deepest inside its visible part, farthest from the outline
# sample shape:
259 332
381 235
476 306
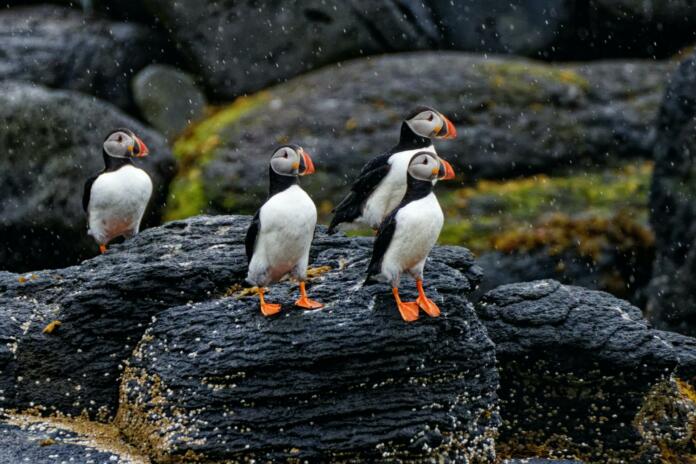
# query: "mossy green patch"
196 147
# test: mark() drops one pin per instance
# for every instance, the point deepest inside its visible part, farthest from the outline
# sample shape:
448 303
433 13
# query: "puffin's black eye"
120 138
285 155
430 118
425 160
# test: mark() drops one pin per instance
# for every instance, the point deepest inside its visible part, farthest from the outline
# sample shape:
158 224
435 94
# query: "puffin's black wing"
350 207
87 192
252 232
382 241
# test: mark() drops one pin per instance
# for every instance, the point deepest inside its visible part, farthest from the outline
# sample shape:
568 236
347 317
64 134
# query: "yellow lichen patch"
51 326
243 292
102 437
313 272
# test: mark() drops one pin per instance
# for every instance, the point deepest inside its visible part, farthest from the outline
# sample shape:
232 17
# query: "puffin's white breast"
117 202
391 189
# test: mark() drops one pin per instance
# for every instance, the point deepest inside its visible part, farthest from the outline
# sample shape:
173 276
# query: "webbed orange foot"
267 309
304 301
425 303
102 248
408 310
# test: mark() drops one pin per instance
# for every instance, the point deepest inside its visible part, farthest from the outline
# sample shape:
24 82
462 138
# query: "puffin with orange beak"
280 234
407 235
382 181
116 198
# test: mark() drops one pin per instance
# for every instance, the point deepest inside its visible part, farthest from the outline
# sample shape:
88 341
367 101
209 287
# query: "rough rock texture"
245 46
672 302
168 98
513 116
63 48
50 143
345 364
36 441
575 367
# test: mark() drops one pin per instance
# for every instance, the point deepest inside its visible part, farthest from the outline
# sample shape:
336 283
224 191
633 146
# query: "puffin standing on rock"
408 233
281 232
116 198
382 181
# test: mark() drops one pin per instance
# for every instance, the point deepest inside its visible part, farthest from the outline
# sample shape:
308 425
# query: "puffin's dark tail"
347 210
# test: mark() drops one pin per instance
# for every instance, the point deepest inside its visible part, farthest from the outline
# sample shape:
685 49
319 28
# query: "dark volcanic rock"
240 47
575 367
672 303
353 369
32 440
168 98
513 116
63 48
50 143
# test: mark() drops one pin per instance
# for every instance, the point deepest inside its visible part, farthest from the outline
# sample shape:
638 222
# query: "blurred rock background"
564 125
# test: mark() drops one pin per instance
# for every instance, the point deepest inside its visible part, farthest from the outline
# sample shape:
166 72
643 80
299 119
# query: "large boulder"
672 302
219 365
513 116
64 48
580 371
50 143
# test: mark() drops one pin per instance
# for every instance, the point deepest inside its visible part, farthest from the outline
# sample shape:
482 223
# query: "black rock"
64 48
514 116
575 368
672 302
349 355
242 47
50 143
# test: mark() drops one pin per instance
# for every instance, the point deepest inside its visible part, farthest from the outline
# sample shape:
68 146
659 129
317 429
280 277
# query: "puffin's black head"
429 123
291 160
123 143
428 167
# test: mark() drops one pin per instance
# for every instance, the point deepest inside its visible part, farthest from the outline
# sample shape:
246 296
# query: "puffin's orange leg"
267 309
408 310
305 302
424 302
102 248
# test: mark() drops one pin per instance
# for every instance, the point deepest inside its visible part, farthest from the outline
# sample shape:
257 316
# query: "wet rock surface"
168 98
513 116
320 367
672 302
51 142
583 361
64 48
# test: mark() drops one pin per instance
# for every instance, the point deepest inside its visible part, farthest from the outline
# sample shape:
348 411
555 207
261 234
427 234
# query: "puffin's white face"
427 167
292 160
432 124
123 143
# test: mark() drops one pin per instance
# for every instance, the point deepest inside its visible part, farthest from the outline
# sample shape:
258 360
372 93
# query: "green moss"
195 148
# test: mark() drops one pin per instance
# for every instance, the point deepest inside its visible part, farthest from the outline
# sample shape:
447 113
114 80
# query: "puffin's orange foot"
269 309
102 248
408 310
306 303
428 306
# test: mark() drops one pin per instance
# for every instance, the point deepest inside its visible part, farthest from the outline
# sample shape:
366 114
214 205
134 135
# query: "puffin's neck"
416 189
409 140
278 183
112 164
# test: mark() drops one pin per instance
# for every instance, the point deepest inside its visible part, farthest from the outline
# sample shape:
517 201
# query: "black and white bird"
281 232
408 233
116 198
382 181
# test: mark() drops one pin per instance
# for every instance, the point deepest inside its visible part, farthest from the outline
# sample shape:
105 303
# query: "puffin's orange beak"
446 171
451 130
142 148
309 165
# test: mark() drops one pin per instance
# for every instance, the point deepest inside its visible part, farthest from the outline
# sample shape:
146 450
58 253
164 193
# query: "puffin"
382 181
281 232
408 233
116 198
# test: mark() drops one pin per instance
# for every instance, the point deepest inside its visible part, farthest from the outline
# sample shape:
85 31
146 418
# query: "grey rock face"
168 98
513 116
672 302
63 48
581 360
50 143
240 47
322 368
